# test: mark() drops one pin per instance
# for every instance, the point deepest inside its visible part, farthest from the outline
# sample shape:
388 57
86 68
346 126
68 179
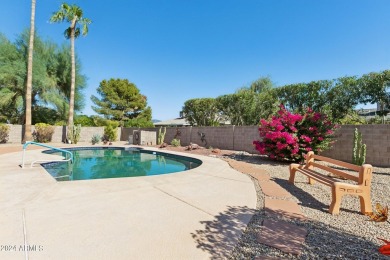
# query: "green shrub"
95 139
4 133
175 142
110 133
43 133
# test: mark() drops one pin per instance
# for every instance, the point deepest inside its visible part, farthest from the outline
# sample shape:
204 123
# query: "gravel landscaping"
349 235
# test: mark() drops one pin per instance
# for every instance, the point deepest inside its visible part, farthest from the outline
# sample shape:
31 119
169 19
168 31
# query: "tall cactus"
161 135
74 133
359 149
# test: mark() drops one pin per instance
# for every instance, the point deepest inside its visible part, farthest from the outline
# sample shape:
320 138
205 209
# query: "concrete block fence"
376 137
16 133
240 138
237 138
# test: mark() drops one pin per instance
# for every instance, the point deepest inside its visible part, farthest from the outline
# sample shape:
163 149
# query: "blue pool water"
114 162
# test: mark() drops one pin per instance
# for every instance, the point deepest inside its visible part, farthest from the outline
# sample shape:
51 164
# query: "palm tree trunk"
27 131
73 81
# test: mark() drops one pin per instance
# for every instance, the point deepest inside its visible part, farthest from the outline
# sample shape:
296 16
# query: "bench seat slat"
317 176
337 162
334 171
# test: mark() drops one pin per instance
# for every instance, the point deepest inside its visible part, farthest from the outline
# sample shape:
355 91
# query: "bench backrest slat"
337 162
334 171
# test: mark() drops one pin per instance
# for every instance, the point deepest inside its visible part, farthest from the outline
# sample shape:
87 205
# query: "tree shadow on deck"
221 235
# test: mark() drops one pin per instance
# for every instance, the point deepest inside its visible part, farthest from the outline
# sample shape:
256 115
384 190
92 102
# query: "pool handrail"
47 146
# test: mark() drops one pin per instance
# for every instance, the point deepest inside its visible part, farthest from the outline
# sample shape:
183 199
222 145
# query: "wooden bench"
362 188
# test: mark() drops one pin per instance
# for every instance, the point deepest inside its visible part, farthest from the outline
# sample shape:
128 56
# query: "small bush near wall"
175 142
110 133
4 133
43 133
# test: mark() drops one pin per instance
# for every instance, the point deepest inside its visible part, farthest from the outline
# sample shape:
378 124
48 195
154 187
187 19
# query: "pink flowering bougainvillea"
289 136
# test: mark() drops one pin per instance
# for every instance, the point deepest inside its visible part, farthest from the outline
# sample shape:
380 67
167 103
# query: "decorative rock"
282 235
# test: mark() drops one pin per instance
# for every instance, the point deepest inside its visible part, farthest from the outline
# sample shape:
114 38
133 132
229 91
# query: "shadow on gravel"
220 236
328 242
307 200
322 241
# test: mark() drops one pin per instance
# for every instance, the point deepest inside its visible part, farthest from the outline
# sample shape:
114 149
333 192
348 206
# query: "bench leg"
293 168
365 203
336 201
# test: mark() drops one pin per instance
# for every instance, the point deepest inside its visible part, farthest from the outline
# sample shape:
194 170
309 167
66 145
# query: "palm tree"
27 131
73 15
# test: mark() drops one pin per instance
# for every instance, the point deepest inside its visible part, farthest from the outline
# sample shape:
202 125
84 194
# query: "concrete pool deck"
197 214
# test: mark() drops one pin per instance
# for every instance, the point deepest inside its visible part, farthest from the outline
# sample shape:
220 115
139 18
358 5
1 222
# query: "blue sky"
177 50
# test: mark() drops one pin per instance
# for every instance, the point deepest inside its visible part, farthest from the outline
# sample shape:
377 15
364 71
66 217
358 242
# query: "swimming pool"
117 162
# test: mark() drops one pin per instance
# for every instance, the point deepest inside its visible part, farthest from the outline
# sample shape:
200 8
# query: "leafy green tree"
27 136
262 84
376 89
336 98
121 100
41 114
47 89
12 81
144 119
250 104
202 112
298 97
61 69
73 14
342 98
230 107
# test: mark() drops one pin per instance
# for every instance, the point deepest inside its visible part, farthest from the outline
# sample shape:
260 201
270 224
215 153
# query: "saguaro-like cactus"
161 135
359 149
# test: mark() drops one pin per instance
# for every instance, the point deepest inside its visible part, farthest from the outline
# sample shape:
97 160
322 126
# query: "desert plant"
74 133
105 139
161 135
43 133
359 149
95 139
289 136
175 142
4 133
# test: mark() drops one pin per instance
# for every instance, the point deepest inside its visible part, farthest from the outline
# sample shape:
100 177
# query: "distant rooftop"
173 122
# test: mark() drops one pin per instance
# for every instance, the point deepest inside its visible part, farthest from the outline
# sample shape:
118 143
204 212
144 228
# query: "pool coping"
199 214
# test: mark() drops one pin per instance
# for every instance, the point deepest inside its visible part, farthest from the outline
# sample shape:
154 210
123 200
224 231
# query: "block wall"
376 137
240 138
16 133
216 137
244 137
